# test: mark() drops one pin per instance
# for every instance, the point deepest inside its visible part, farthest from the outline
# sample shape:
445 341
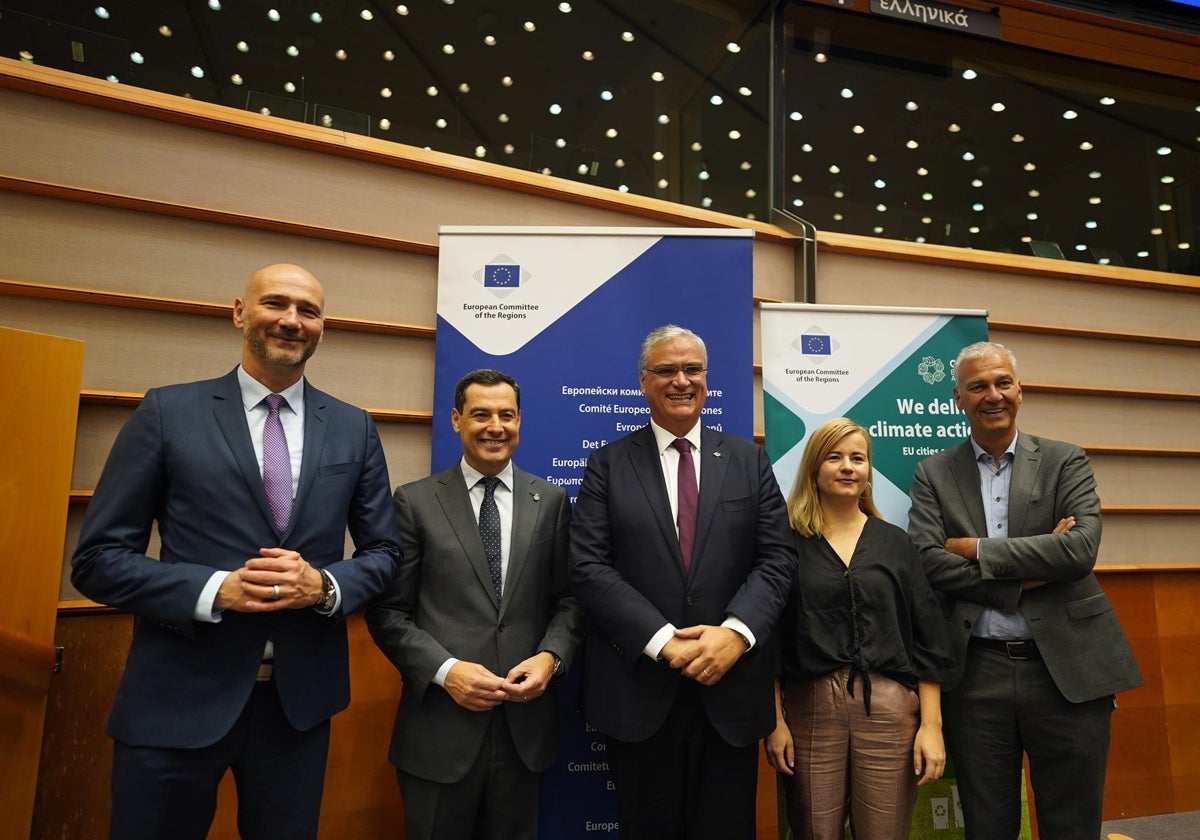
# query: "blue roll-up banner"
564 311
888 369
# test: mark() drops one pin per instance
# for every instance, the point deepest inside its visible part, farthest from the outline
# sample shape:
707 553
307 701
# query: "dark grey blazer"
1073 623
442 604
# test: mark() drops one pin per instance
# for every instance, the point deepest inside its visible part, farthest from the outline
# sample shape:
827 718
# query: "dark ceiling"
671 99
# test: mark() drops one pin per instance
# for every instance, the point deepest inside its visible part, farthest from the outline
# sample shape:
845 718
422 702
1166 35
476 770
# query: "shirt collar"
473 476
1007 455
254 392
665 439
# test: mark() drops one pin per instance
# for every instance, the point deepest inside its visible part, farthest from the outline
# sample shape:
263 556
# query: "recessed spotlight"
588 55
565 8
1085 146
834 169
745 166
326 120
837 217
880 184
1167 179
1156 231
315 17
928 196
912 144
197 72
242 46
509 148
388 55
976 183
555 109
795 116
529 26
969 74
716 99
215 5
1080 247
101 13
448 49
846 93
858 129
968 156
1166 208
341 55
290 87
977 206
429 91
998 107
502 118
702 175
973 229
657 76
663 183
697 146
401 10
1183 246
489 40
1034 193
745 91
882 208
165 31
751 193
797 202
627 37
385 124
1091 224
910 106
872 158
1069 114
507 81
440 122
111 78
1018 138
480 151
560 143
922 171
367 14
1163 151
610 133
619 163
463 87
236 78
839 193
1143 254
663 119
820 58
1030 166
273 15
606 95
878 229
137 58
954 128
706 202
1107 100
735 135
733 47
658 156
1094 174
1094 200
292 50
386 92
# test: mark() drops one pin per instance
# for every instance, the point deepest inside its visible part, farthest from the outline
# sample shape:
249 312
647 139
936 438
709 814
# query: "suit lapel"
966 478
526 508
452 495
647 466
230 415
315 429
1027 459
714 465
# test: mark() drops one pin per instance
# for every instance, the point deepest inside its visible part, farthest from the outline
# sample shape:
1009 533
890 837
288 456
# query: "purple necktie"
277 464
688 496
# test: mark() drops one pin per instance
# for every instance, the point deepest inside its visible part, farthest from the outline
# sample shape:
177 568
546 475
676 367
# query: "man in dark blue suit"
239 653
681 556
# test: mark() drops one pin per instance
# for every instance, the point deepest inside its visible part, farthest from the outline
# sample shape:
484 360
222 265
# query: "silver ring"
275 597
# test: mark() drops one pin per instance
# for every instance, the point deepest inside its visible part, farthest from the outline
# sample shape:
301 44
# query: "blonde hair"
804 503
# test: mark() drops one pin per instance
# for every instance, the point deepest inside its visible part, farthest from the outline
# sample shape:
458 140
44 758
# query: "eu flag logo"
501 276
815 345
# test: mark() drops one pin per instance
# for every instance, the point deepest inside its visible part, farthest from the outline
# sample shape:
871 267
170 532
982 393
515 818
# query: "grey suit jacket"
1073 623
442 605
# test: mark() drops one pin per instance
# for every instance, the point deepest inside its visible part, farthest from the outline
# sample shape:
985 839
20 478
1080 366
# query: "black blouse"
877 614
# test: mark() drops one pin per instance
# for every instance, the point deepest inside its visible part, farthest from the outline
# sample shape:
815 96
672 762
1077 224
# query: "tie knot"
275 401
489 483
683 445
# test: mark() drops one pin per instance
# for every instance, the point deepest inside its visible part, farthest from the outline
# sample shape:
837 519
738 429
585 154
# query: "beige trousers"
848 763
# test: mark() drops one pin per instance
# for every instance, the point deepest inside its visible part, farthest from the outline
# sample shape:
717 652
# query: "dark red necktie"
688 498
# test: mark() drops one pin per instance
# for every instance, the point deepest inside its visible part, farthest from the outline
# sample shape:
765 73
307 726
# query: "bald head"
281 314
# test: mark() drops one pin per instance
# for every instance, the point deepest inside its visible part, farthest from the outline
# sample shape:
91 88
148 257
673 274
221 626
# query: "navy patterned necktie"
277 464
688 500
489 530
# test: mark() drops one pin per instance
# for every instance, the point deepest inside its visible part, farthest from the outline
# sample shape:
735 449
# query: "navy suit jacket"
185 461
1072 620
627 571
442 605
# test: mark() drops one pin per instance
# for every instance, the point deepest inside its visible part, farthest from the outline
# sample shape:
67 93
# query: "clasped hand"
476 688
276 572
704 652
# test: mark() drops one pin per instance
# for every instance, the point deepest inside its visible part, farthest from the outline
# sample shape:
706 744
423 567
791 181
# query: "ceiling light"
502 118
715 99
735 135
1091 224
367 14
1163 151
912 144
1080 247
1094 200
429 91
400 10
657 76
821 58
588 55
797 202
837 217
658 156
236 78
1094 175
733 48
582 169
922 171
463 87
751 193
1034 193
627 37
560 143
273 15
880 183
910 106
165 31
215 5
509 148
1018 138
977 183
448 49
846 93
619 163
858 129
388 55
529 26
137 58
745 91
489 40
386 92
1070 115
341 55
326 120
835 169
610 133
480 151
507 81
1029 166
1156 231
839 193
703 175
197 72
1107 100
606 95
290 87
101 12
315 17
242 47
998 107
1167 179
927 197
795 116
697 146
385 123
882 208
954 128
871 158
977 207
555 109
1031 216
807 147
440 122
292 50
565 8
745 166
969 74
1085 146
968 156
111 78
1166 208
706 202
663 183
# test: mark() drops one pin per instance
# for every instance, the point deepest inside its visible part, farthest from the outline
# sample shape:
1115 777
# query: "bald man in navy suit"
239 654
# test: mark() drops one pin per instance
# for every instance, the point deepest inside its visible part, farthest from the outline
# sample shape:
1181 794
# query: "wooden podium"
39 378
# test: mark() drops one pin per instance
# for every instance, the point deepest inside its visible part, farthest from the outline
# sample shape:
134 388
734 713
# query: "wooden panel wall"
131 219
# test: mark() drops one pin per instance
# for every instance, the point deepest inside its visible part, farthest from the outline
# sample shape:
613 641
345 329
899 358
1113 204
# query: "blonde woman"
862 646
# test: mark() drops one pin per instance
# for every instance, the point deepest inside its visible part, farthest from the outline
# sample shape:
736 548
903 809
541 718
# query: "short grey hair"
981 350
667 332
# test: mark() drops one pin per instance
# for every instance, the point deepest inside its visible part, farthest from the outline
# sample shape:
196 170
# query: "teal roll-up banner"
888 369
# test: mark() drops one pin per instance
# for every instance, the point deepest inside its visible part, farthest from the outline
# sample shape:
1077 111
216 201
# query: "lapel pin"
537 497
716 454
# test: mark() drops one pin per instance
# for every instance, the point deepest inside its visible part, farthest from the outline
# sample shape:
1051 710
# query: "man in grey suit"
1008 526
479 622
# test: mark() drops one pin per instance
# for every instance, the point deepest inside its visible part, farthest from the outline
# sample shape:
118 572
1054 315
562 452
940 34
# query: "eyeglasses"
668 372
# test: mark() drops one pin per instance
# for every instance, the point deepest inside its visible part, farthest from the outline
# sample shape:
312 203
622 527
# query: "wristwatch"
325 602
558 664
